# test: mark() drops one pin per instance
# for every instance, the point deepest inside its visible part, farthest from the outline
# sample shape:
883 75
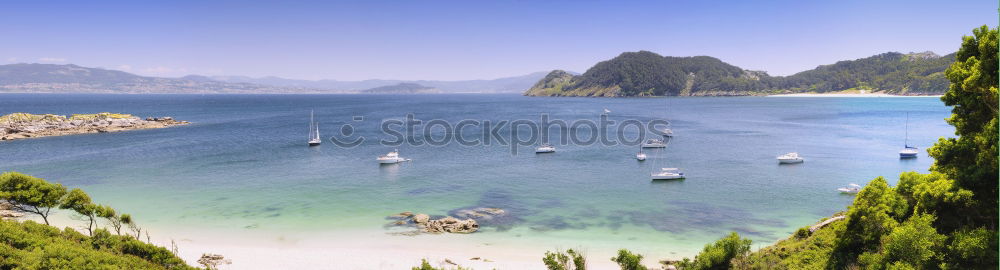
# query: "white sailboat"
664 173
314 139
908 151
640 156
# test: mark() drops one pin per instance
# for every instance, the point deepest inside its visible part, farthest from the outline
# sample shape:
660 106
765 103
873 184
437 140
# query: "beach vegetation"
570 260
30 194
718 255
628 260
30 245
80 202
424 265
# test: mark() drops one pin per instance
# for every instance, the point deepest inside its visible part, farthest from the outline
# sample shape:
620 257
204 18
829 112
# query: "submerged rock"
451 225
448 224
421 218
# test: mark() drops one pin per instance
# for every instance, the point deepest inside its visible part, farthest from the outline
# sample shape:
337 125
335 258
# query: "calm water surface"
242 165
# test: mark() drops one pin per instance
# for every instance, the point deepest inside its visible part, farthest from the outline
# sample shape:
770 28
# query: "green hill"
646 73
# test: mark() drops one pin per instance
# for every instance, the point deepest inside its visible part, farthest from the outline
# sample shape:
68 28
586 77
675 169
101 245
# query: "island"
25 125
402 88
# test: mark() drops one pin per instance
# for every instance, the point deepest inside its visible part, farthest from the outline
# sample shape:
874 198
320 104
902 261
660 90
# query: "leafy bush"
571 260
719 254
30 245
628 261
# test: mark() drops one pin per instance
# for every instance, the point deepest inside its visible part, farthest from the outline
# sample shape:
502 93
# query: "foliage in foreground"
719 254
30 245
424 265
628 261
946 219
571 260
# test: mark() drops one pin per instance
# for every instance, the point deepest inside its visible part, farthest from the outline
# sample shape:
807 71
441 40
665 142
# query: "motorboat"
545 148
850 189
654 143
790 158
668 174
391 158
314 139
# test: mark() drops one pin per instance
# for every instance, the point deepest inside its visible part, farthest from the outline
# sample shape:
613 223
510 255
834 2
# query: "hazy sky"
467 39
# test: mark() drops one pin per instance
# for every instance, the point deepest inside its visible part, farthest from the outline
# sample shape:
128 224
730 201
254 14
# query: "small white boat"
314 139
908 151
654 143
790 158
545 148
606 111
668 174
667 132
640 156
850 189
391 158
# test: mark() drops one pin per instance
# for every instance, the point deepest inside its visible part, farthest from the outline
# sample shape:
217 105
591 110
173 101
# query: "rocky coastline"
25 125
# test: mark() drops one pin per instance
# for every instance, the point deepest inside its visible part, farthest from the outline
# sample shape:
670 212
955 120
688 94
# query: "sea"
242 168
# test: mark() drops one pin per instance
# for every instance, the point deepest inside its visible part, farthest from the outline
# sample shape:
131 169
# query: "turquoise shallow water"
242 166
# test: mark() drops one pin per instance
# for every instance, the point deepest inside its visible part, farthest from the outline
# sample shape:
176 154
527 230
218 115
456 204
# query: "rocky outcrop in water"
448 224
24 125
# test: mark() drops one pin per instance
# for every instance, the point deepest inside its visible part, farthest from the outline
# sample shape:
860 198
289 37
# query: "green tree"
30 194
971 159
718 255
871 216
571 260
915 244
109 214
79 201
628 261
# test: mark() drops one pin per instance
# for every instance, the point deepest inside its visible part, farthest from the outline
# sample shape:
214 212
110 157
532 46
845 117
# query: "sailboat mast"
906 138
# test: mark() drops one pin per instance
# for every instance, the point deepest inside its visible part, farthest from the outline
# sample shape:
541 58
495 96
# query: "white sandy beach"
844 95
372 250
364 249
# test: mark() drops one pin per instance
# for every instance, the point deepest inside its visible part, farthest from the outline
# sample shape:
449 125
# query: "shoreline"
375 248
847 95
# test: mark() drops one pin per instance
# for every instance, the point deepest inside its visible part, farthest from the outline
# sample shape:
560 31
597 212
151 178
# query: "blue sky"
454 40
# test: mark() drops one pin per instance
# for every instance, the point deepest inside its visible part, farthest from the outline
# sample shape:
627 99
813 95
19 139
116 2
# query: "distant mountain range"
51 78
515 84
402 88
646 73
